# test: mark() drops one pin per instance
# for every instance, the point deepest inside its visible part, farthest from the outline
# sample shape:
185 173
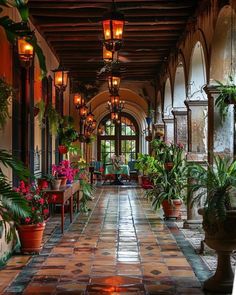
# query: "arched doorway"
118 139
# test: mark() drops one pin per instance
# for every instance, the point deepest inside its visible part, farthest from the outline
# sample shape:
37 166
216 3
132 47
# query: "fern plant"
227 96
213 184
12 205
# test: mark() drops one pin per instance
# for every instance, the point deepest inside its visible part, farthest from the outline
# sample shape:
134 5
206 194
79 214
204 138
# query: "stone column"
169 129
180 127
220 134
197 152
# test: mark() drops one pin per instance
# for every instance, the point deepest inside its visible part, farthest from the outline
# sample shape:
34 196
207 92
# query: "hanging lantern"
78 100
114 116
113 27
25 51
109 56
113 83
60 79
83 111
90 118
94 125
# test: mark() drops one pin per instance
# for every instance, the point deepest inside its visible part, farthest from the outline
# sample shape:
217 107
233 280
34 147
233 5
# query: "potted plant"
214 184
67 135
142 165
168 187
64 171
31 228
227 96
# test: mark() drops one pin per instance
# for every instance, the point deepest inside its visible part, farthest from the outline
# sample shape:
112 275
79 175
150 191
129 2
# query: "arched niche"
197 76
222 53
179 86
167 100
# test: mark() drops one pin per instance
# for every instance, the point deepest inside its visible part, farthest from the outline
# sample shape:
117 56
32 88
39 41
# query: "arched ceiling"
73 30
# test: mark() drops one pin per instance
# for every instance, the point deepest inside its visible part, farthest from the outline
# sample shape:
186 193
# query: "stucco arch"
167 105
197 73
179 84
221 54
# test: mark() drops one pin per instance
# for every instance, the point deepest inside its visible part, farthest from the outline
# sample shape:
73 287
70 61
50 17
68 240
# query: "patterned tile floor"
120 247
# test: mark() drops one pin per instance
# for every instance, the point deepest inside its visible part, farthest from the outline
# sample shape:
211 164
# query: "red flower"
41 201
27 220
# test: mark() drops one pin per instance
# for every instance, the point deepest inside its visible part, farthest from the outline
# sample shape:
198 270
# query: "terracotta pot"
31 237
56 184
172 210
221 236
63 181
42 183
168 165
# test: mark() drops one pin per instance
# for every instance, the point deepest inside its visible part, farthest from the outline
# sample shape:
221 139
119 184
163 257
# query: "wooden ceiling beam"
151 19
98 14
131 28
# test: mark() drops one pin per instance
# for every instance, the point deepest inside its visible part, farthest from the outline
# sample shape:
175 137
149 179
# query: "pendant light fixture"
113 27
113 80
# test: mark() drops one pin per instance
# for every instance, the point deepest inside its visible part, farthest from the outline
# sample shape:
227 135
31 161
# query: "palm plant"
214 184
12 205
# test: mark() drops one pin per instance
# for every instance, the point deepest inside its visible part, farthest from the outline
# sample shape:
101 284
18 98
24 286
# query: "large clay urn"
221 236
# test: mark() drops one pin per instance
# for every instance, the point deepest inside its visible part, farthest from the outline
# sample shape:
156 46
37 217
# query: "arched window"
118 139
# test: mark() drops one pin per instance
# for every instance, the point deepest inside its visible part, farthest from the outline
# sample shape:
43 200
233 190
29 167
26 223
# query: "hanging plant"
48 112
54 119
41 112
227 96
6 92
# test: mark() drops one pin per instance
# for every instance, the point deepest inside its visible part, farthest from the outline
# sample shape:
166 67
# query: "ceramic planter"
56 183
63 181
172 209
31 237
221 236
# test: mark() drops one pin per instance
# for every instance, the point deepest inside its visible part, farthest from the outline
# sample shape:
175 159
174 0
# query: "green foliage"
214 184
6 93
167 152
12 205
41 106
227 95
88 191
54 119
142 163
167 184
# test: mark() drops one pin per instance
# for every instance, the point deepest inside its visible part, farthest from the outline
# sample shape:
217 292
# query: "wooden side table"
62 195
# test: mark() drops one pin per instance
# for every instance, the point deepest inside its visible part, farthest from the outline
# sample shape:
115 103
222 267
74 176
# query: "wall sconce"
60 79
25 51
113 83
113 27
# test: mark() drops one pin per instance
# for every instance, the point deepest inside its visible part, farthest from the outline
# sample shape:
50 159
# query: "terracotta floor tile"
120 247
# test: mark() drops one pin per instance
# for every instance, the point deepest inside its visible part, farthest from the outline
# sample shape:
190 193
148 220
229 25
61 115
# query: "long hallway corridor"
120 247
